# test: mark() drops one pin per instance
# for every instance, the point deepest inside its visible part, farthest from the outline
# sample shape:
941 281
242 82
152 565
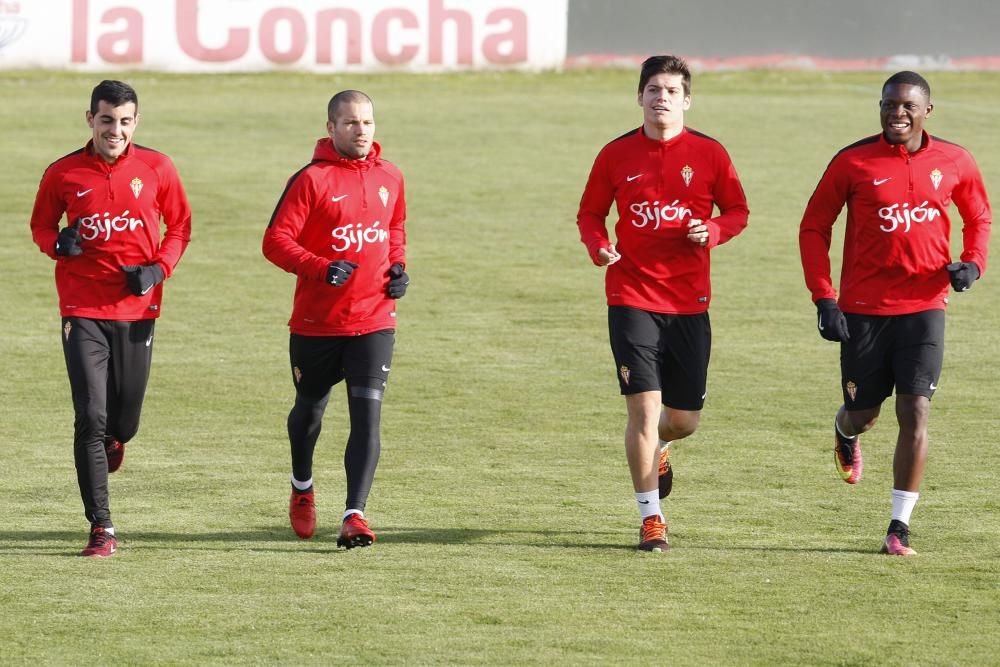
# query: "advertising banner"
258 35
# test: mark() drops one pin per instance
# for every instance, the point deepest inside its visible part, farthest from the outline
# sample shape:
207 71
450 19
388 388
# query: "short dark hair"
344 97
115 93
665 65
909 78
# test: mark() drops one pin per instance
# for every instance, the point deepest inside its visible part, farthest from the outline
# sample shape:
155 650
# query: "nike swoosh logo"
385 369
149 341
819 322
933 386
632 178
643 502
337 198
880 181
80 194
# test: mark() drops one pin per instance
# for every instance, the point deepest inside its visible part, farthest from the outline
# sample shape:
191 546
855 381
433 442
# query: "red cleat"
355 532
115 452
653 534
302 513
101 543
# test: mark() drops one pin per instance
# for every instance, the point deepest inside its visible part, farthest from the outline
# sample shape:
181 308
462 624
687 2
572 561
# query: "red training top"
118 207
659 186
896 243
333 209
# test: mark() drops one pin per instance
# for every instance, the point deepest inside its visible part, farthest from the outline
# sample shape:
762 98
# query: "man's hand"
831 322
398 280
607 257
68 243
338 272
141 278
962 275
698 232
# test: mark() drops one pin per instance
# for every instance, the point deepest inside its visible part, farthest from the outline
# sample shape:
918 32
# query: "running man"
340 227
897 267
110 263
665 180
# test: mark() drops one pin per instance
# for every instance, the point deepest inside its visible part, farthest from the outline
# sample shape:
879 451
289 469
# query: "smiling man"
339 226
897 267
110 261
665 180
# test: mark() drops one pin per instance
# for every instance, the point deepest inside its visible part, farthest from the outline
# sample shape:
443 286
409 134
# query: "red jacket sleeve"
816 230
594 206
45 216
731 202
974 207
397 230
176 212
281 245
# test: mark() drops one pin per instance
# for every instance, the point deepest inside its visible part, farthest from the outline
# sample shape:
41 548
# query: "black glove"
338 272
398 280
141 278
68 243
831 322
962 275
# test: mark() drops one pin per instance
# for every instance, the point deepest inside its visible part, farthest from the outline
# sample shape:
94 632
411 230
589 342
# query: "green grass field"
505 518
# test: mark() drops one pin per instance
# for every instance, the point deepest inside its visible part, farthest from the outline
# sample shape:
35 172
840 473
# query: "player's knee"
680 424
913 413
91 421
123 433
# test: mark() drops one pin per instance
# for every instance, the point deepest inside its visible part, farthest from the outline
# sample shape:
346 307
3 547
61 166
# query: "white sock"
649 503
902 505
350 512
302 486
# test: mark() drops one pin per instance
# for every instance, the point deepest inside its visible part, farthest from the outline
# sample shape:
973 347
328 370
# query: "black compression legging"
363 445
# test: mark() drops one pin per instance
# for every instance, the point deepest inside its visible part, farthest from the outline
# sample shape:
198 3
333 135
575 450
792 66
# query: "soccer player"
889 319
340 227
110 263
665 180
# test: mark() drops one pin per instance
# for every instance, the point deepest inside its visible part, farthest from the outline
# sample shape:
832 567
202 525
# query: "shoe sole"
83 554
654 548
355 541
885 551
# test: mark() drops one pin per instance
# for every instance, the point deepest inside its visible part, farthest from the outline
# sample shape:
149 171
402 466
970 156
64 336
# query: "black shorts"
319 362
901 351
661 352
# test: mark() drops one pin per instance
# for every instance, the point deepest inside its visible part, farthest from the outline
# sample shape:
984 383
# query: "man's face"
352 129
113 128
663 100
902 111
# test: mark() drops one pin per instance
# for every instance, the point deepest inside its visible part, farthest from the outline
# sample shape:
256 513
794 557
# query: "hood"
325 152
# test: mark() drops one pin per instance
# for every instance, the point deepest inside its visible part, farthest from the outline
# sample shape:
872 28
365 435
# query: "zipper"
364 190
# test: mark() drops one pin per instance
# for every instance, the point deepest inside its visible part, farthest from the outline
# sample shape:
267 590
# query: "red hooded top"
119 207
897 239
333 209
659 186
